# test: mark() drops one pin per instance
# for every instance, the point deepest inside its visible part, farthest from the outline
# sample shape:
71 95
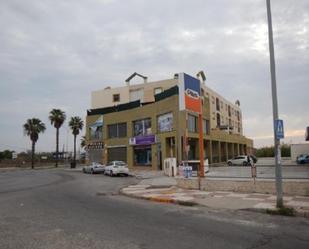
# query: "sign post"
190 100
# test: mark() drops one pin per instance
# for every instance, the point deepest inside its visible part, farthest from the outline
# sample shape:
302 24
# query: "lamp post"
275 107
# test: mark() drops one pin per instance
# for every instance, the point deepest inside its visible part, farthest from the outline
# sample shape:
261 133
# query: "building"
145 123
298 149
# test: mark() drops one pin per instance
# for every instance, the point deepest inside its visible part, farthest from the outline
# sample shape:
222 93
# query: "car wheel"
229 164
244 163
92 172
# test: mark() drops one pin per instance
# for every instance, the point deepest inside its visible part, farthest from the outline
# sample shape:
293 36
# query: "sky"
54 53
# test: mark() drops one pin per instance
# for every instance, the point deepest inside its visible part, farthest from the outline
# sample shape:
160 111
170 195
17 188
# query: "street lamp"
275 108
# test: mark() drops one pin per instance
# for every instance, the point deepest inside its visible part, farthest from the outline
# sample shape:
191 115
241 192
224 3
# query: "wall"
104 98
297 149
290 187
223 111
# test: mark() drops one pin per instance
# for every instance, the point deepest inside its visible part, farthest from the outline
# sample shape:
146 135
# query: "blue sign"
279 131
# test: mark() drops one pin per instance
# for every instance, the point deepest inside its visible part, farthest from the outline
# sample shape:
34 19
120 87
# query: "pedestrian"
249 160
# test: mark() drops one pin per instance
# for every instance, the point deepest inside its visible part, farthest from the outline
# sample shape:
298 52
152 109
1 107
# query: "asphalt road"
60 209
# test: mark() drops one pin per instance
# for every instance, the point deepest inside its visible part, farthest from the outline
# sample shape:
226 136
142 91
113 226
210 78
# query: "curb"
161 199
167 200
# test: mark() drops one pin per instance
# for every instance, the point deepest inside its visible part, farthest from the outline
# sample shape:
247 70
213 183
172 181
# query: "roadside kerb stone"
235 201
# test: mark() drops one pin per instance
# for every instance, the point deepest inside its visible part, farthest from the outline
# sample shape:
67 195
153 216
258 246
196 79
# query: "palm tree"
76 124
83 142
57 118
32 128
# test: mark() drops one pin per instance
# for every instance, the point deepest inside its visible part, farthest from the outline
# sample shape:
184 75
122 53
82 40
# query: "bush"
269 151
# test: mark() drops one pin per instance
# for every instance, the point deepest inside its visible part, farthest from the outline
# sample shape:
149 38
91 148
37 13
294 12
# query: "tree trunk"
32 155
57 146
74 158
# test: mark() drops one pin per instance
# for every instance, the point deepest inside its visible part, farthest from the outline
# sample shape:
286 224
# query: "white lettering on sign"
193 94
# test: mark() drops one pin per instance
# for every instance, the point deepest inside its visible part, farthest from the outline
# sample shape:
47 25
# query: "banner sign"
165 122
142 140
189 93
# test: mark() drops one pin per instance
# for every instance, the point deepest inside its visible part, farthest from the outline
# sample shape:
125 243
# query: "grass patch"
285 211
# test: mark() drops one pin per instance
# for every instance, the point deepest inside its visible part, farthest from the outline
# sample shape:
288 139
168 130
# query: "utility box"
170 167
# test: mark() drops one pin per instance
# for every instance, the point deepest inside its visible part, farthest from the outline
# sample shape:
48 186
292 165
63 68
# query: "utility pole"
275 107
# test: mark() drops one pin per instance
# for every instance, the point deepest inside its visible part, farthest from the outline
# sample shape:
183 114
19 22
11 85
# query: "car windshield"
120 163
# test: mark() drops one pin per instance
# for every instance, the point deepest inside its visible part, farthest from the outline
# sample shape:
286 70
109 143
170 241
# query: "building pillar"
226 151
219 151
209 151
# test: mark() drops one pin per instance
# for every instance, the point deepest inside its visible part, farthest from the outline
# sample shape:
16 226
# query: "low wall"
290 187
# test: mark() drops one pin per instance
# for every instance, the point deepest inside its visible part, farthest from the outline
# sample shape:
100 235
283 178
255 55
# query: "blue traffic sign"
279 131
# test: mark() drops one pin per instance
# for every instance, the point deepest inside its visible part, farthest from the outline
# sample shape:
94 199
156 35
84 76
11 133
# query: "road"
60 209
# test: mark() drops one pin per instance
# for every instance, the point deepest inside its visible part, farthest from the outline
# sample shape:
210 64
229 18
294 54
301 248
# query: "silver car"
94 168
239 160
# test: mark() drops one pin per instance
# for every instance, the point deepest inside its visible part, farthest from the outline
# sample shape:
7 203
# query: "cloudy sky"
54 53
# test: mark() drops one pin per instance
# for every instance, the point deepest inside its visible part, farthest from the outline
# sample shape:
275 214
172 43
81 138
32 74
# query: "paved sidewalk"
217 199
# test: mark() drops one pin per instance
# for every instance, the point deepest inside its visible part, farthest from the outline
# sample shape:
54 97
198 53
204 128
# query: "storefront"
142 155
117 154
94 152
142 151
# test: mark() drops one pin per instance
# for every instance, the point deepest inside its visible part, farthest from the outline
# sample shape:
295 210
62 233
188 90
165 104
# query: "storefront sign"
142 140
190 92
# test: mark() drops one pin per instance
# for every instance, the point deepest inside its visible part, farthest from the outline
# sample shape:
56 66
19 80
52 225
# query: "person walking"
249 160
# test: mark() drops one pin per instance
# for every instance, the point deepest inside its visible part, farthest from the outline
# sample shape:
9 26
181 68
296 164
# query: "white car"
239 160
94 168
115 168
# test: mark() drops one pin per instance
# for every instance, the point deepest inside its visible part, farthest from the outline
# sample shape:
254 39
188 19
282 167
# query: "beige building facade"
143 124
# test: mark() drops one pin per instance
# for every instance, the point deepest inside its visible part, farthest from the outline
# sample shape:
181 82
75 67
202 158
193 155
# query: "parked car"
299 156
303 159
94 168
239 160
115 168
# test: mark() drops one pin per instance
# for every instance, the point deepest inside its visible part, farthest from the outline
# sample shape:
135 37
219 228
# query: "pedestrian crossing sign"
279 131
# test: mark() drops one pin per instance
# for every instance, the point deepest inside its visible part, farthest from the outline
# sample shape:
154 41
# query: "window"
229 110
217 104
142 127
116 97
218 120
192 123
157 90
206 126
96 133
165 122
117 130
238 115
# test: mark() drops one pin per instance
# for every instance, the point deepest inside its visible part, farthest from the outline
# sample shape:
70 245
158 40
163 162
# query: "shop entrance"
142 156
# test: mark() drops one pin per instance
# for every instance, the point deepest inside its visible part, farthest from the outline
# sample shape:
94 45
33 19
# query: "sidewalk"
164 189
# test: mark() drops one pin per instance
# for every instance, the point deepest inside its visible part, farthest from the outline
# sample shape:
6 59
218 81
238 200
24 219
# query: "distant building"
298 149
145 123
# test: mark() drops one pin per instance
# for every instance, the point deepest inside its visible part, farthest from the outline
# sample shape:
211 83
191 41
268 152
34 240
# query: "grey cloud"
53 54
